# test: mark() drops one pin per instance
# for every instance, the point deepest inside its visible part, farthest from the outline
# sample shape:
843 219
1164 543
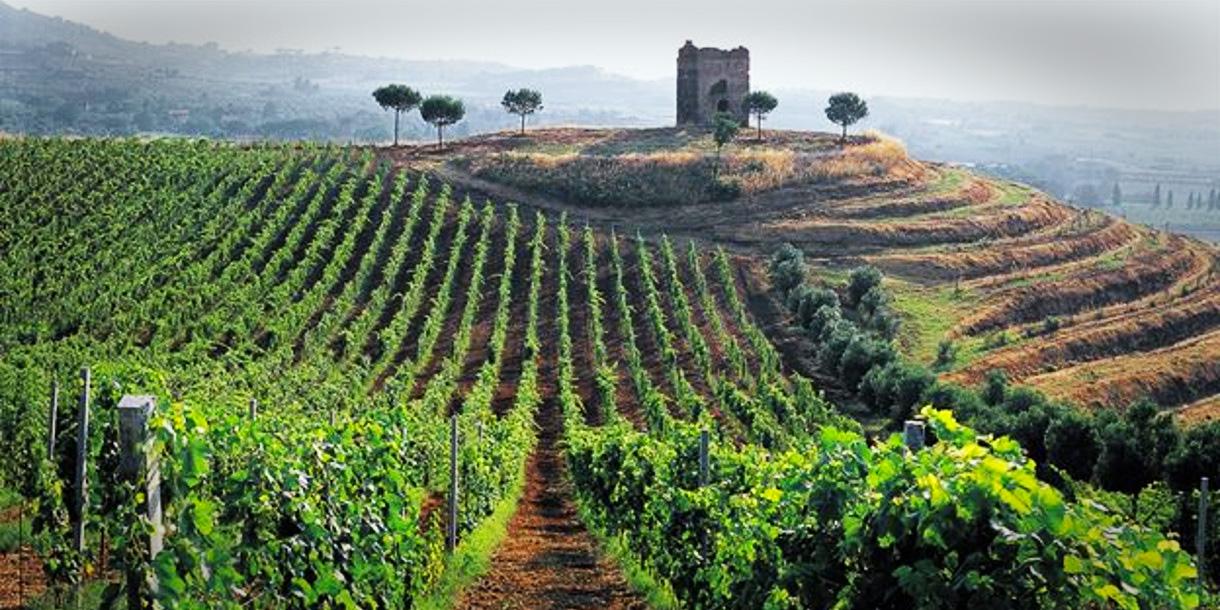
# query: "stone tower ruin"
712 80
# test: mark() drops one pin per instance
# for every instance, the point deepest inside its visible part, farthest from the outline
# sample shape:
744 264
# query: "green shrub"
787 269
861 280
894 389
825 317
1072 444
995 387
806 300
861 354
884 322
946 355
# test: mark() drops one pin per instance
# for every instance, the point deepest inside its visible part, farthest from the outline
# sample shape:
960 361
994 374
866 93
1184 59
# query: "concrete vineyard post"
53 423
82 455
137 463
703 481
20 554
451 526
913 435
703 459
253 408
1201 535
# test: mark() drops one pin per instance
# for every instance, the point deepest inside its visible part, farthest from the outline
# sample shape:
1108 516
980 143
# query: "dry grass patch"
1174 375
687 174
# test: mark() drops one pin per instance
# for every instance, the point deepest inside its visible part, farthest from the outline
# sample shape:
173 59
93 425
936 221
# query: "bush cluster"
854 334
1117 450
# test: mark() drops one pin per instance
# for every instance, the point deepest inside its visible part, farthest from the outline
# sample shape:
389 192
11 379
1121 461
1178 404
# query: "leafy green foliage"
255 271
846 109
760 104
399 98
724 129
522 102
844 523
440 111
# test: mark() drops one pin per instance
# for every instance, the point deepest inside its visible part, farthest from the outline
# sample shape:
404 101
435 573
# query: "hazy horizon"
1136 54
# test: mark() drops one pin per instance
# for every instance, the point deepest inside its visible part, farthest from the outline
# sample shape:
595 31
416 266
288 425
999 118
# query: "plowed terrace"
1076 302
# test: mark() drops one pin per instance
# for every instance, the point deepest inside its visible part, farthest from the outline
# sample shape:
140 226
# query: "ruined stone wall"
712 80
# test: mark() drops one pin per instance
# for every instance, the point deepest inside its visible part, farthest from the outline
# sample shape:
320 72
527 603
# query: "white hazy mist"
1153 54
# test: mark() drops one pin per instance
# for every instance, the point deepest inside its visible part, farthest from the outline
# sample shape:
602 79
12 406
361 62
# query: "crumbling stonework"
712 80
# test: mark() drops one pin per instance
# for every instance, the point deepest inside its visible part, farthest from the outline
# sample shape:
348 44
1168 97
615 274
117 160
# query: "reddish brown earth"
548 560
21 578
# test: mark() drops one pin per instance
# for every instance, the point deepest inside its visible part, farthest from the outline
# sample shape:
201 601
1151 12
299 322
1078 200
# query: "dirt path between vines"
548 560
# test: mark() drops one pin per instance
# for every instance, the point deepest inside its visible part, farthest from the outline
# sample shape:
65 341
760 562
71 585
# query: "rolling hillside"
1081 304
546 372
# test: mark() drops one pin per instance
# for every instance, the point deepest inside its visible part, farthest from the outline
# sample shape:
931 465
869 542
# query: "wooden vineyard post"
1201 535
53 424
253 408
913 434
139 464
82 456
451 526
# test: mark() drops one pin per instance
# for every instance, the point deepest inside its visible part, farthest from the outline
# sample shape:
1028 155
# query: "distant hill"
57 76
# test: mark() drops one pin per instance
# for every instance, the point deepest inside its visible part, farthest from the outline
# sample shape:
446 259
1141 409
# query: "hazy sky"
1120 53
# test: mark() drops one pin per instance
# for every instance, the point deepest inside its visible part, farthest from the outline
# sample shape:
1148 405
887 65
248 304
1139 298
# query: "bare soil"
549 560
21 578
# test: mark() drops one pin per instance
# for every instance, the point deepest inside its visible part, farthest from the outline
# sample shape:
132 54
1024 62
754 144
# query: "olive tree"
399 98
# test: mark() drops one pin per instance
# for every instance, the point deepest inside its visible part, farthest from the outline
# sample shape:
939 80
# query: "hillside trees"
399 98
860 281
1072 443
1133 447
845 109
441 111
522 102
759 104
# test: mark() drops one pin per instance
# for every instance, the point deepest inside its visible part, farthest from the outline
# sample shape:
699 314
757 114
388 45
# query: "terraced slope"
1083 305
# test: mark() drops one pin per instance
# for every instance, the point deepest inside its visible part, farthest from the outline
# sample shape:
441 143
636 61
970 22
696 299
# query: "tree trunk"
844 138
440 137
523 124
396 127
759 117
